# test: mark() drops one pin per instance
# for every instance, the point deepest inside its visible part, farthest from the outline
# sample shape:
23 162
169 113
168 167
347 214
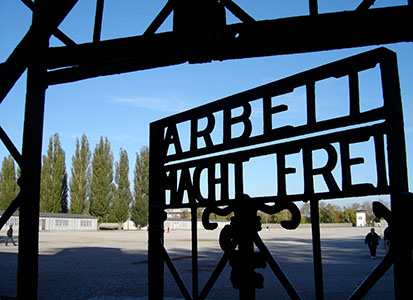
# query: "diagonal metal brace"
276 268
374 276
10 146
10 210
17 62
175 274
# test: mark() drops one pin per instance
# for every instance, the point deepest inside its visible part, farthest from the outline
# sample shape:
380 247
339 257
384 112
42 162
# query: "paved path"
112 265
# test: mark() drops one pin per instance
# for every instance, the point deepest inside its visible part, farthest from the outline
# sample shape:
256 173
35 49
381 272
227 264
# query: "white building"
54 221
361 217
185 224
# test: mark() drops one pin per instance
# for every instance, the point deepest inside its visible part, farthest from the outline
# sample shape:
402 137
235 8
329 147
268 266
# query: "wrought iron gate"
175 171
201 34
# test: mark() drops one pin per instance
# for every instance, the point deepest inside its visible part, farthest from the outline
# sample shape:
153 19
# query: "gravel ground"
112 265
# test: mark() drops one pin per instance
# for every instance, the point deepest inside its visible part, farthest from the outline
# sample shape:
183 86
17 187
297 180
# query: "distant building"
129 225
361 217
55 221
177 213
186 224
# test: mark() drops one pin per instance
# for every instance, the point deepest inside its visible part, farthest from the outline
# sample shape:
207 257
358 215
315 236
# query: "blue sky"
121 106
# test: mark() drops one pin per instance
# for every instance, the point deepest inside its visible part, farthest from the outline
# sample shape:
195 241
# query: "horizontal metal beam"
262 38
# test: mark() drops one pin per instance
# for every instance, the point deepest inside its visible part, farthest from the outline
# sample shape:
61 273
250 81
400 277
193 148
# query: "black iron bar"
156 217
57 33
365 5
401 204
214 276
241 40
175 275
313 5
16 63
285 282
318 264
194 241
63 38
238 11
354 94
246 232
311 106
27 271
97 29
373 277
11 209
10 146
160 18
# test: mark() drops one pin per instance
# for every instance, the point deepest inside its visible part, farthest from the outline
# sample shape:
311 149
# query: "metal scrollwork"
381 211
280 206
215 210
237 238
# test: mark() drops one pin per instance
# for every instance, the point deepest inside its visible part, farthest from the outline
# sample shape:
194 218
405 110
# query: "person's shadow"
3 239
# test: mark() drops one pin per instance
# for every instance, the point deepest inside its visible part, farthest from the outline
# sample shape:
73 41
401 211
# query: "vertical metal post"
97 30
194 239
27 271
313 4
156 217
318 264
401 206
246 217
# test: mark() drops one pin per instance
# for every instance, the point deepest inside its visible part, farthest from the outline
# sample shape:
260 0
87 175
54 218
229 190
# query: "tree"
349 215
81 176
8 182
140 206
53 189
306 213
123 196
101 185
370 216
280 216
329 213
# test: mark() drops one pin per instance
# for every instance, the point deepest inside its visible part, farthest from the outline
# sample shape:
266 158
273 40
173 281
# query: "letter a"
172 137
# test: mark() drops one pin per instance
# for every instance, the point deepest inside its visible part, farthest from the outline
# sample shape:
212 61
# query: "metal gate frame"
200 35
377 123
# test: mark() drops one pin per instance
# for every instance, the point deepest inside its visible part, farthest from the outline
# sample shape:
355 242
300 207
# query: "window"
85 223
62 223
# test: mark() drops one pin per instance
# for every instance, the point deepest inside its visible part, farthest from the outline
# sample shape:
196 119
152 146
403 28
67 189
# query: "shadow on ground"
90 272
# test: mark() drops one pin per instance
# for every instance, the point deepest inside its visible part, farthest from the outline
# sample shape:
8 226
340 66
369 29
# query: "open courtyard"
113 264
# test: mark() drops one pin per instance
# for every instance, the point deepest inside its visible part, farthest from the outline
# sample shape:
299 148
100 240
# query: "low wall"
185 224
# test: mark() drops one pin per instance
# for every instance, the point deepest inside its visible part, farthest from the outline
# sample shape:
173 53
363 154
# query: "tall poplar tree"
8 182
140 205
81 176
101 185
123 196
53 189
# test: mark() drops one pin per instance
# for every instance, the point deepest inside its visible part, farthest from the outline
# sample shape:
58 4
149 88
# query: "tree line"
328 213
331 213
97 186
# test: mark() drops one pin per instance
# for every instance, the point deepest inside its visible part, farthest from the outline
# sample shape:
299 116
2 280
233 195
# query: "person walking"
372 240
10 236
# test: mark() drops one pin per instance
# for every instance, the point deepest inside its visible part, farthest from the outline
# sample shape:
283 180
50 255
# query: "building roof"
57 215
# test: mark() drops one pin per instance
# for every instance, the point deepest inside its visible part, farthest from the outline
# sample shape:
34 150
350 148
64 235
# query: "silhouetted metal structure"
177 172
200 34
